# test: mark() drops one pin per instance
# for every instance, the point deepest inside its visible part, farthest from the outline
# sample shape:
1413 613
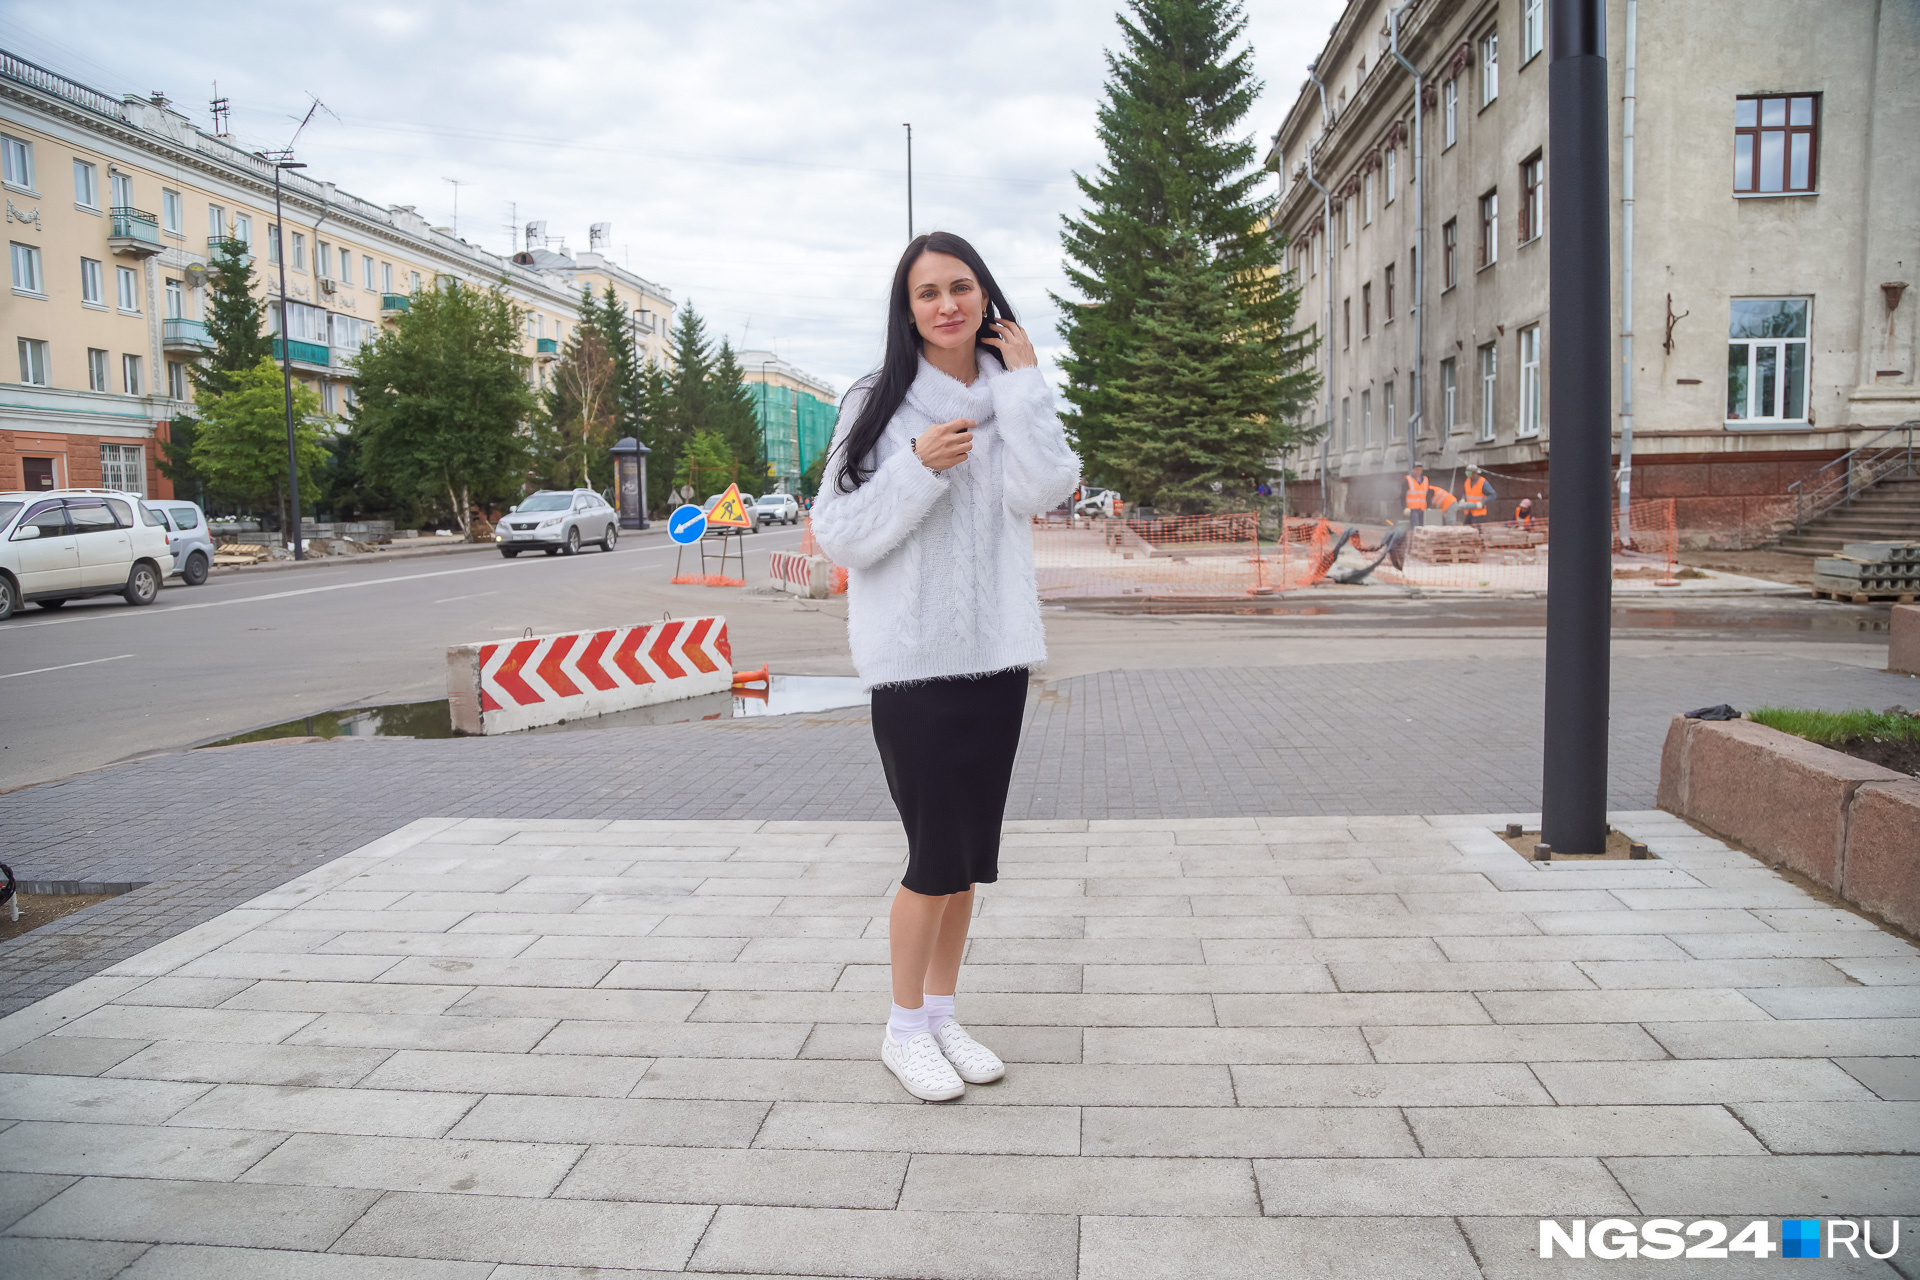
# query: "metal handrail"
1855 471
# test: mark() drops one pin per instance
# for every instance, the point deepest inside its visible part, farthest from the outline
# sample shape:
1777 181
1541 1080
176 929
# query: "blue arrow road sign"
687 524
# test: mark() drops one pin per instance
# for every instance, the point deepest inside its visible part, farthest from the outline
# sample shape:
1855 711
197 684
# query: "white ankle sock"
939 1010
904 1024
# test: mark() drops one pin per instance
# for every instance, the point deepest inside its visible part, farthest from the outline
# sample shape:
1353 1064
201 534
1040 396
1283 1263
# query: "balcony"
135 232
308 353
186 335
546 348
392 304
217 245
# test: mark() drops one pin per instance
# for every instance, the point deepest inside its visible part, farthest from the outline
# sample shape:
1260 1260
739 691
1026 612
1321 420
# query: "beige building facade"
114 207
1774 225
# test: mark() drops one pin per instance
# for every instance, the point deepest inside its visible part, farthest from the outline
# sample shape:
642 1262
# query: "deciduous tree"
241 443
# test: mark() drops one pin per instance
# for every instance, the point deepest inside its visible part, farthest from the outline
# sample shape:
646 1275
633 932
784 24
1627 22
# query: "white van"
64 544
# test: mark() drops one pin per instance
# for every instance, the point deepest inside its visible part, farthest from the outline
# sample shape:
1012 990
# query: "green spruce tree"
737 419
679 401
236 326
611 318
1177 196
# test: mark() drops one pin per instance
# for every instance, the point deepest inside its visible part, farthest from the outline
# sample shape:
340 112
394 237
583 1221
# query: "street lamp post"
1579 556
286 350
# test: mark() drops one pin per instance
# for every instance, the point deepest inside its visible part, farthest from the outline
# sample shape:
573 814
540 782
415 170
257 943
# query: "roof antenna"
222 110
457 184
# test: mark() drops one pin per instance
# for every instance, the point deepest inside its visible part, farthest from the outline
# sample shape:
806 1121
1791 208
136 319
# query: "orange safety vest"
1417 493
1474 494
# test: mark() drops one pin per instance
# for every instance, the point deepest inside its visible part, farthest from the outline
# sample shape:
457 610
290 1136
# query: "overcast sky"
748 153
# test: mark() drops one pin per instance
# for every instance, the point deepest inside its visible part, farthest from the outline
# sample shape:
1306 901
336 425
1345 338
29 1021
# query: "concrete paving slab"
1895 1079
415 1070
1746 1080
22 1193
1501 1132
68 1056
1820 1128
762 1176
1245 1131
908 1127
1388 1085
892 1243
289 1064
44 1097
638 1121
160 1211
417 1164
66 1259
1788 1038
1080 1185
1523 1042
366 1112
1208 1248
133 1150
1227 1045
1547 1187
1791 1186
570 1233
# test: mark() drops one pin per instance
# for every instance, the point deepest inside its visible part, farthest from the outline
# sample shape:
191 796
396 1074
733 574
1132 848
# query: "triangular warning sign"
730 511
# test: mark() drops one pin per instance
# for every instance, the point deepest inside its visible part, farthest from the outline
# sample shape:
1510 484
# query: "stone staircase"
1888 512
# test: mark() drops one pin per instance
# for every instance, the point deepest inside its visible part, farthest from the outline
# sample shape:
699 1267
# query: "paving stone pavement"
1340 1046
206 830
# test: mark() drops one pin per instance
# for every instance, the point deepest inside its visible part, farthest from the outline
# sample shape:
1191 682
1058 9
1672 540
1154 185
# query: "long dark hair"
886 388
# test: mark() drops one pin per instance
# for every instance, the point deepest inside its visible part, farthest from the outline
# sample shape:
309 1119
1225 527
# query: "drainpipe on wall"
1419 236
1626 279
1326 289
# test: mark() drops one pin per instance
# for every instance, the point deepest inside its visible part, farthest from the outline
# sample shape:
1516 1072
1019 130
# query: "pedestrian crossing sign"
730 512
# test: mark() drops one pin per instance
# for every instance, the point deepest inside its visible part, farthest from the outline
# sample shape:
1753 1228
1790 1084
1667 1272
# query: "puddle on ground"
783 695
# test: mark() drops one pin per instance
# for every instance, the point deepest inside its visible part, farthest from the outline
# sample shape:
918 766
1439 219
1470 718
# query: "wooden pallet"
1854 593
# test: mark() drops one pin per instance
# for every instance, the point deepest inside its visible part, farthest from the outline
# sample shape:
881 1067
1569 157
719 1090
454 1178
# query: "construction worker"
1523 515
1418 488
1475 494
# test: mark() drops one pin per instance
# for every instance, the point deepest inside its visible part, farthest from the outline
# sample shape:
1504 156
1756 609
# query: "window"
1346 423
1449 382
216 222
18 164
26 270
128 282
1489 67
1450 112
273 243
1386 293
86 185
1489 228
1313 258
1393 169
322 259
413 282
176 300
1366 419
346 267
1767 360
1533 207
130 375
1450 254
1533 29
1366 198
176 380
122 190
386 277
1416 411
97 370
123 467
243 229
1346 323
1776 144
1529 381
1386 410
1489 369
1366 310
299 252
33 362
173 211
329 397
366 271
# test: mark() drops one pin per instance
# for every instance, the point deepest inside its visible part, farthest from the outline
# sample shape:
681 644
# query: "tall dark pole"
286 355
909 129
1579 621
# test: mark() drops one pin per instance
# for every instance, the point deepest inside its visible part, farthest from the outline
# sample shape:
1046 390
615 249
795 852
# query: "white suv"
63 544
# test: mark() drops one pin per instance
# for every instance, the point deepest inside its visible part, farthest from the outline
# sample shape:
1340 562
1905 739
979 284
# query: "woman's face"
947 300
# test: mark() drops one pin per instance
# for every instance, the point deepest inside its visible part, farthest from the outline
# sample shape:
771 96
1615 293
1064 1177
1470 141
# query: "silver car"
556 520
187 537
783 507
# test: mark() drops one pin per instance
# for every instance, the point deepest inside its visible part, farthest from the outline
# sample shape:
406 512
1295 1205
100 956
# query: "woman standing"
938 463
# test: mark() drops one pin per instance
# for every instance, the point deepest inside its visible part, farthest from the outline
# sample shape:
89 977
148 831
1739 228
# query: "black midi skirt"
948 746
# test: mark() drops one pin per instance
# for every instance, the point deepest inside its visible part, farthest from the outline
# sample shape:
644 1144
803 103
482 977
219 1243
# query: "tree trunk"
454 494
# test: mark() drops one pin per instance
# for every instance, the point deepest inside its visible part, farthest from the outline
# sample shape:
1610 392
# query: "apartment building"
796 411
1763 322
114 207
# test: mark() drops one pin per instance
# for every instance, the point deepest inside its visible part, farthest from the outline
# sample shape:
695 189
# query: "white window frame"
173 212
299 251
1489 67
1366 418
1450 112
1752 347
1449 389
98 378
1488 207
130 374
413 282
1488 358
1533 29
216 222
322 260
124 467
1393 172
243 229
86 185
17 169
176 380
1387 409
1531 408
386 277
121 185
126 290
176 299
366 271
346 265
33 362
1366 198
29 279
1346 424
273 242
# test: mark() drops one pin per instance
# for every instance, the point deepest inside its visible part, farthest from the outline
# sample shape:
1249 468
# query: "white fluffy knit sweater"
940 564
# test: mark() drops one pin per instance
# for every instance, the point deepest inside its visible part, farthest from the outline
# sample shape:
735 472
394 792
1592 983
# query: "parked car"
556 520
68 543
187 538
769 507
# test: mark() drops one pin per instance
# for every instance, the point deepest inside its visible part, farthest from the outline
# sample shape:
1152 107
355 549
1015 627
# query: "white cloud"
748 152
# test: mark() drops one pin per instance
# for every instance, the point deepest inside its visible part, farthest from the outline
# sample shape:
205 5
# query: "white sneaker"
920 1067
972 1061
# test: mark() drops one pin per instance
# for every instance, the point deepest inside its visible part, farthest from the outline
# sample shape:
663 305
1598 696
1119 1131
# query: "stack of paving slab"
1871 569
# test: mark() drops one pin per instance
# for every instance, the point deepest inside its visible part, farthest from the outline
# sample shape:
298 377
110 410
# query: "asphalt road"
101 681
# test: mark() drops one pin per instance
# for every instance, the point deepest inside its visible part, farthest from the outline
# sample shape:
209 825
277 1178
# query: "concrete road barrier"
1903 640
802 575
500 687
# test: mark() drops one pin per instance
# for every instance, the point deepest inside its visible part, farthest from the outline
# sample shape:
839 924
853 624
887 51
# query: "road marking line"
65 666
475 596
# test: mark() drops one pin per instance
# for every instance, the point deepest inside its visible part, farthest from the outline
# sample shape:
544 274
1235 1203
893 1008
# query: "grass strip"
1831 728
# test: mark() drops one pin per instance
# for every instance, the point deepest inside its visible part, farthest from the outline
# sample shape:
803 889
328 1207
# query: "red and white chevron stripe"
518 684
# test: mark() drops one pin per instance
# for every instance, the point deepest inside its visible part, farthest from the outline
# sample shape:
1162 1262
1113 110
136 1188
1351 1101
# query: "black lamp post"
1579 556
286 349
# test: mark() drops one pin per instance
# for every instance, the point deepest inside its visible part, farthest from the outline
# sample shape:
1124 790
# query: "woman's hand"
944 444
1015 348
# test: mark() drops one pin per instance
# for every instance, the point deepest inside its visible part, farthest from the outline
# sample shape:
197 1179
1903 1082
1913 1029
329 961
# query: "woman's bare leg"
943 969
914 927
